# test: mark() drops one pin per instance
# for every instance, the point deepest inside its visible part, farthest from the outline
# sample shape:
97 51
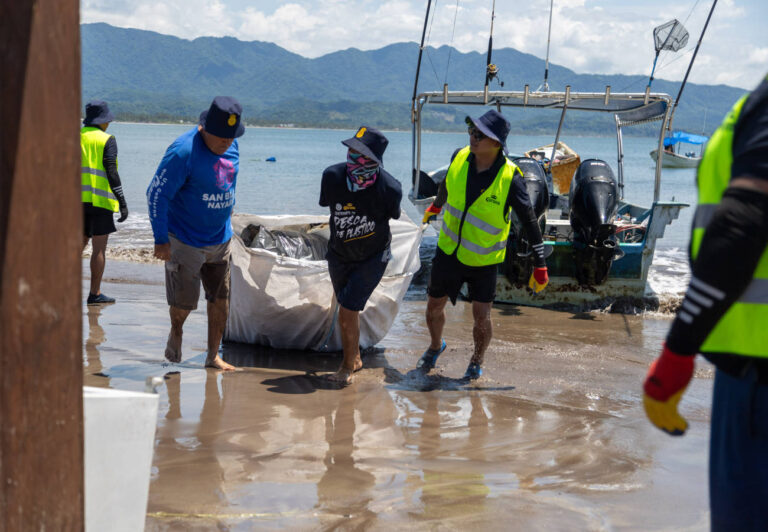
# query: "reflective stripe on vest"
95 187
743 329
480 230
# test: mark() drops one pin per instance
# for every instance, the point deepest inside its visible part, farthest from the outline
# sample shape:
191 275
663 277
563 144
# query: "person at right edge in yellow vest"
101 191
724 316
479 192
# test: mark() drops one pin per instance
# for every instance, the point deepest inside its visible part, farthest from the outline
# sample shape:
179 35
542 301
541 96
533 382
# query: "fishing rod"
545 86
491 70
418 63
695 51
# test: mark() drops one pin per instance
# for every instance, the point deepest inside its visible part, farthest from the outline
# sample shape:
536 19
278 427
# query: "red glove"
539 279
430 213
664 385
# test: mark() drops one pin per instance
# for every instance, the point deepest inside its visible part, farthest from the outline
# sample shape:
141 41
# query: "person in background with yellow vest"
479 192
101 191
724 316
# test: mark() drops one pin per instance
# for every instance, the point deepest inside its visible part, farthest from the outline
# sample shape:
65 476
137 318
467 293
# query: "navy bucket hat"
222 118
97 112
493 125
370 142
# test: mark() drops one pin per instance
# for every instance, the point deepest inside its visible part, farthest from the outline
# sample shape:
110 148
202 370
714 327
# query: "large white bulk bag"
288 303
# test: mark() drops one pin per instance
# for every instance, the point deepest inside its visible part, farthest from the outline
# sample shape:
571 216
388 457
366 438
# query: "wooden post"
41 405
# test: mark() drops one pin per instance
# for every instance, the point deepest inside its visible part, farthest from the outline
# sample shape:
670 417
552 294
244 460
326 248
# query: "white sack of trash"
281 293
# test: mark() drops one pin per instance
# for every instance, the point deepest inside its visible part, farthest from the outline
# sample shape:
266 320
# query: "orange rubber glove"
664 385
430 213
539 279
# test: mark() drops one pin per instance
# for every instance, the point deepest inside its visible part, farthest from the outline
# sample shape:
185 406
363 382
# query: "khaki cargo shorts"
188 266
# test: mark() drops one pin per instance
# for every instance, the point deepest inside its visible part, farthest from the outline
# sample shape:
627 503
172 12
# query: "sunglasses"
476 133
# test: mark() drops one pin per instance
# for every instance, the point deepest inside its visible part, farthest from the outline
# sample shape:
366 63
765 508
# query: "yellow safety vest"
743 330
94 184
480 230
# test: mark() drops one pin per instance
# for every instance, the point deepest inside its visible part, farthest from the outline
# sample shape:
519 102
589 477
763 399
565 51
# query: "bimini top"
631 107
682 136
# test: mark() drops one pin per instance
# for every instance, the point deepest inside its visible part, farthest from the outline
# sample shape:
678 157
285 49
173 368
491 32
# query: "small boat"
281 293
673 155
600 244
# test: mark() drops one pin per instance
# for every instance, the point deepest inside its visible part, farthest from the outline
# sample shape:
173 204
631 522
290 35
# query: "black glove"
123 213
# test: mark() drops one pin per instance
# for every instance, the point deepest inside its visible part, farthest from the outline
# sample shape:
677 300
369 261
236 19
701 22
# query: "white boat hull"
675 160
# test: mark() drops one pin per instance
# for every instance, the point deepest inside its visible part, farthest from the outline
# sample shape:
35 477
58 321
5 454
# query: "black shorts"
97 221
354 282
448 274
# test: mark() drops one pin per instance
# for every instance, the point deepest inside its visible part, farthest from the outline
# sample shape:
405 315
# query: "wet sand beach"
552 437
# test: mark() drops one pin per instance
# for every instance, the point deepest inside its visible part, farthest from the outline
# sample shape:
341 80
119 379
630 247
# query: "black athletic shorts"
448 274
97 221
354 282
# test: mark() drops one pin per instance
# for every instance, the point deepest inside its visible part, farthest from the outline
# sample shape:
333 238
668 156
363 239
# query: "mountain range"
149 76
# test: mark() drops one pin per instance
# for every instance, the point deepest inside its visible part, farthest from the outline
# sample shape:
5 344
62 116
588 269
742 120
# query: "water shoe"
429 358
473 372
99 299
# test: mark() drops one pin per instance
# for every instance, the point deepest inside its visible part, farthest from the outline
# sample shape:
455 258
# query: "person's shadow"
421 381
315 366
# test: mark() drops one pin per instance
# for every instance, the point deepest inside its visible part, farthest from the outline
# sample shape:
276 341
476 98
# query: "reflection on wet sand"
345 491
552 437
449 492
92 367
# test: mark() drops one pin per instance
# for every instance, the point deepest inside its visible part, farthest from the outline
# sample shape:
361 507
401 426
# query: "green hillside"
148 76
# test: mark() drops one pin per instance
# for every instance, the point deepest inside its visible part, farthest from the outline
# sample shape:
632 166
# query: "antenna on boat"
418 63
670 36
544 87
693 58
491 70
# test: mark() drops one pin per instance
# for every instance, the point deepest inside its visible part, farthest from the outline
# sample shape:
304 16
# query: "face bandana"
361 171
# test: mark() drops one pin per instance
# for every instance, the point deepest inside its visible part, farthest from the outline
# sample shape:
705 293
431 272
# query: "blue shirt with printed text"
193 192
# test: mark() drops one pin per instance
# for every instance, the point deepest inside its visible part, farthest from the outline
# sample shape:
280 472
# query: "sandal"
429 358
473 372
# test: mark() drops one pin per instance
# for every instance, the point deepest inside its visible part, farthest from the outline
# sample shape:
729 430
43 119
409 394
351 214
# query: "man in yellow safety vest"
101 191
724 316
479 192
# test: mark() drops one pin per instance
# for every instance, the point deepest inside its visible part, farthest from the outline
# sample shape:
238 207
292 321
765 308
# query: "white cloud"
588 36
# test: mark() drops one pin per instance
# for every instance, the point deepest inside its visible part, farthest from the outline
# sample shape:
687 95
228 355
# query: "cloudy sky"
588 36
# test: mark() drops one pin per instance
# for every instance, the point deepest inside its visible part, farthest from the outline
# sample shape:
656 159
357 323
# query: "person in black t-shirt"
362 197
724 315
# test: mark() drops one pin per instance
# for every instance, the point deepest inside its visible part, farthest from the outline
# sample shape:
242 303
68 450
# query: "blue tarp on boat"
682 136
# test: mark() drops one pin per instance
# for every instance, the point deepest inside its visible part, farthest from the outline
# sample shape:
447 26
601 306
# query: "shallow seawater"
552 437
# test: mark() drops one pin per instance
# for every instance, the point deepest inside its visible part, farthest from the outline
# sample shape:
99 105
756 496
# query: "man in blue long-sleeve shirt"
190 206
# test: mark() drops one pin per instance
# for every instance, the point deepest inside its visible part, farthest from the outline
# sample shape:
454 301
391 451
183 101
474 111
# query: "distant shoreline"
352 128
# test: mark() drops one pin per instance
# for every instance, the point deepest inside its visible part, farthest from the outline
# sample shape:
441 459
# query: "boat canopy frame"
629 109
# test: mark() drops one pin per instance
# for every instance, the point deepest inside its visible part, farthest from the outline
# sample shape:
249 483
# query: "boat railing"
629 109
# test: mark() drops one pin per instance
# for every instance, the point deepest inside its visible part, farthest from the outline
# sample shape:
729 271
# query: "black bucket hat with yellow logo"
368 141
222 118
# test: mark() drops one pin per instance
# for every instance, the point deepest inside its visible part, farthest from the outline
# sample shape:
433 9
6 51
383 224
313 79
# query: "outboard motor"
594 201
519 259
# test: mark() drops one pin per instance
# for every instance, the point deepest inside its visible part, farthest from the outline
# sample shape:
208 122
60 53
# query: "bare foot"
342 377
173 348
219 363
344 374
